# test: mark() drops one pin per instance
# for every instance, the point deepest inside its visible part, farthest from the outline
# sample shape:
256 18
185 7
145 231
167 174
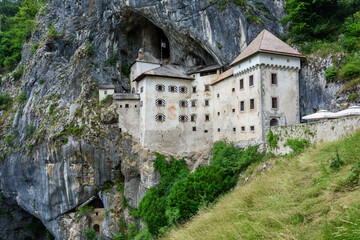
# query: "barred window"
160 118
274 103
183 118
141 103
183 90
251 80
160 88
193 103
160 102
172 88
252 104
183 104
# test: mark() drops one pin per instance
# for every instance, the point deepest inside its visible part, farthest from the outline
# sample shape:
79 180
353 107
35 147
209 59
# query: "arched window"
160 118
274 122
97 228
183 104
160 88
183 89
160 102
183 118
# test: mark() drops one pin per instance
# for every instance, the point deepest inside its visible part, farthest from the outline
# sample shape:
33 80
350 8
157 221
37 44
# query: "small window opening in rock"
205 131
97 228
120 129
96 213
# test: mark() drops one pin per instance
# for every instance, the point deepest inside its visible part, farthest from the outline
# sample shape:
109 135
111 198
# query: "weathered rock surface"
65 147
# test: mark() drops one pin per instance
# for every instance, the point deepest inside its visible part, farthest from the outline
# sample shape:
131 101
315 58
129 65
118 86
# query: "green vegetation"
337 161
90 234
352 97
5 101
181 194
41 81
18 73
21 97
16 25
29 130
297 145
331 74
272 140
125 69
111 61
90 51
82 211
302 197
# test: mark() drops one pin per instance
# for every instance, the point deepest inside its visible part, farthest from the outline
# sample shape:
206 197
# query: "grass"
300 198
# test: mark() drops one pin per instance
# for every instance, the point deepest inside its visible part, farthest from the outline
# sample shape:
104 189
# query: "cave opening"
96 203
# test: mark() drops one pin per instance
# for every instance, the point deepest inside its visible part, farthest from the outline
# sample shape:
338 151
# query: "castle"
176 111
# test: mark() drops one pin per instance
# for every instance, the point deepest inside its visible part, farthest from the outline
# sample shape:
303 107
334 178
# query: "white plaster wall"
102 94
137 69
228 100
129 117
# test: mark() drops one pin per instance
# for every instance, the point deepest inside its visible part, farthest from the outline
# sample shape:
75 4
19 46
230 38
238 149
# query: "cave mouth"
142 33
96 203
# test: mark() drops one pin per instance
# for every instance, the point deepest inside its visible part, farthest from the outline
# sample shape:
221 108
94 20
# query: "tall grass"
300 198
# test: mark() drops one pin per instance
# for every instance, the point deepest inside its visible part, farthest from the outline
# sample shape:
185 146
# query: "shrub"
76 130
41 81
52 107
89 49
297 145
351 69
34 47
132 230
119 236
29 130
125 69
18 73
2 156
355 174
90 234
5 101
337 161
82 211
111 61
331 74
352 97
22 97
9 140
272 140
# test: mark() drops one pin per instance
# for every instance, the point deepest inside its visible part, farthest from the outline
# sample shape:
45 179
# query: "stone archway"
274 122
97 228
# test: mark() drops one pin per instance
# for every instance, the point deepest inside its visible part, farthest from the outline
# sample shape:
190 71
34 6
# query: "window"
274 103
135 106
183 90
193 103
194 89
160 118
127 106
242 106
218 95
105 92
251 80
183 104
142 89
241 84
206 102
205 131
243 129
207 88
193 118
218 129
218 113
159 88
252 104
233 89
207 117
273 78
183 118
160 102
233 110
194 129
252 128
120 106
234 129
172 88
141 103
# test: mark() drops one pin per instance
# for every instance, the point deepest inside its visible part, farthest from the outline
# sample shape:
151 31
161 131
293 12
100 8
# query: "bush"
125 69
355 174
331 74
52 108
337 161
90 234
352 97
18 73
76 130
41 81
297 145
351 69
5 101
29 130
272 140
111 61
89 49
9 140
22 97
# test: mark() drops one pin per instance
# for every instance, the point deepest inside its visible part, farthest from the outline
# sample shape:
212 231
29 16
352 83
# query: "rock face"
60 147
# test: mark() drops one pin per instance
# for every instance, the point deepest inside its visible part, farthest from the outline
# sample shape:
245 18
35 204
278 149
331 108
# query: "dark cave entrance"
96 203
144 34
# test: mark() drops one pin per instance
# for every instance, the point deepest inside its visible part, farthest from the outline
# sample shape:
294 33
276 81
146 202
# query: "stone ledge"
126 96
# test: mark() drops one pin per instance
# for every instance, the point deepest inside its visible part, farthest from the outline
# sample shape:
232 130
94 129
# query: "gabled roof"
223 76
168 71
205 69
147 58
266 42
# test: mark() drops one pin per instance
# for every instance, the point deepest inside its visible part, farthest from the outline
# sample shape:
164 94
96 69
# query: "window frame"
276 79
241 83
242 106
276 101
252 104
251 80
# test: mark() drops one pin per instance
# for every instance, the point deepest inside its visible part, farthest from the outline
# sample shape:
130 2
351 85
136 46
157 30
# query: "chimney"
140 54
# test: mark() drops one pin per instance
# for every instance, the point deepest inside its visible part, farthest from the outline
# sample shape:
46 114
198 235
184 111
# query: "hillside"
300 197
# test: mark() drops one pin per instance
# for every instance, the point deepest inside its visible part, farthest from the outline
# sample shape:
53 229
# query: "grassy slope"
300 198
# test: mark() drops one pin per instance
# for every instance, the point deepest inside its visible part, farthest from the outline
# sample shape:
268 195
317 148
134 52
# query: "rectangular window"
194 89
142 89
252 104
242 106
273 78
193 103
218 113
194 129
160 118
218 129
234 129
274 103
243 129
207 88
233 90
135 106
205 131
207 117
206 102
251 80
105 92
233 110
218 95
182 104
182 90
182 118
126 105
193 118
241 84
252 128
172 89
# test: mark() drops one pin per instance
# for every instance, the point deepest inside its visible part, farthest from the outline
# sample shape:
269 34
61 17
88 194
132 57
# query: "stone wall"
322 131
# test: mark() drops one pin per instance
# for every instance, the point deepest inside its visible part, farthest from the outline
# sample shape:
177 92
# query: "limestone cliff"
60 147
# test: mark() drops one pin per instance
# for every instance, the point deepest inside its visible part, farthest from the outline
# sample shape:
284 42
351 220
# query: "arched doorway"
97 228
274 122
